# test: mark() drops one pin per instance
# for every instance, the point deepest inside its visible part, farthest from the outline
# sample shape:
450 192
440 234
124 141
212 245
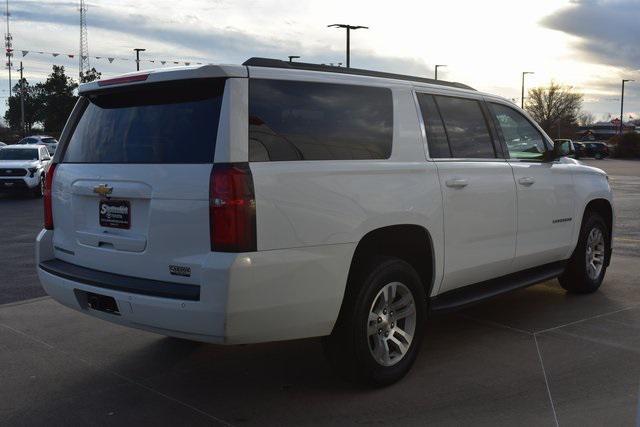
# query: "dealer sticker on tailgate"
115 213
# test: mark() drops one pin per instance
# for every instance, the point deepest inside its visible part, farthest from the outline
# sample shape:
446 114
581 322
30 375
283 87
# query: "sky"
588 44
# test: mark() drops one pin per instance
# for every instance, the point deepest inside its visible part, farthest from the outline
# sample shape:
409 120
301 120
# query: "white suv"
274 201
23 168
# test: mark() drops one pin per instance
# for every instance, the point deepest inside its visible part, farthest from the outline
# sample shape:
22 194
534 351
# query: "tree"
90 76
57 97
586 118
32 107
555 108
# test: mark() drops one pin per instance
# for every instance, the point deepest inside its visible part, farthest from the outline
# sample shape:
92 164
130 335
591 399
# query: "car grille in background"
13 172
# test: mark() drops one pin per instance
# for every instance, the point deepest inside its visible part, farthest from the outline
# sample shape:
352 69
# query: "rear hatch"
131 189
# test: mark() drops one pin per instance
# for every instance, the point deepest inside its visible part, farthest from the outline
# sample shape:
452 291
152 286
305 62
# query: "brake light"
232 208
48 183
126 79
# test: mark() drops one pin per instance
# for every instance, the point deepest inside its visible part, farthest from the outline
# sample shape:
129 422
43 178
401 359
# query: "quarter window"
522 139
295 120
466 128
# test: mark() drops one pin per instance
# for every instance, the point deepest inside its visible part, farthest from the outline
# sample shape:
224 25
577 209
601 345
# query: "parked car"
597 150
310 201
49 142
23 168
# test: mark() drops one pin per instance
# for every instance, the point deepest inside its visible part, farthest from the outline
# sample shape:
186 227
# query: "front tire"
39 190
379 330
588 264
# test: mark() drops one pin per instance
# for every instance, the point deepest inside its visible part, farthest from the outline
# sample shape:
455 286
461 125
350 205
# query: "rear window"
172 122
294 120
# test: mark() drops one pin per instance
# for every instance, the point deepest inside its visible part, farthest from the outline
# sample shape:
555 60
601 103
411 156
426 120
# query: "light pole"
438 65
622 106
524 73
292 57
349 28
138 50
24 130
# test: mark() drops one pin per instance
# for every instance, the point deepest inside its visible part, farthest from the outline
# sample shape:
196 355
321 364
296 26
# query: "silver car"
48 141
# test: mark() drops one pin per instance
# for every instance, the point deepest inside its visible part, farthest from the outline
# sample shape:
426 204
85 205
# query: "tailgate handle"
133 243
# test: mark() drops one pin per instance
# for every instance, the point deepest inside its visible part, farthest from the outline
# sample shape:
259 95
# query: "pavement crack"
546 380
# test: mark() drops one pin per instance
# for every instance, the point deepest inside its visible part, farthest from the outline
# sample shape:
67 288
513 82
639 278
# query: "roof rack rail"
278 63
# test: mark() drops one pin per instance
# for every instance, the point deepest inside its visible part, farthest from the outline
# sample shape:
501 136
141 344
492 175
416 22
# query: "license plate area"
89 300
115 213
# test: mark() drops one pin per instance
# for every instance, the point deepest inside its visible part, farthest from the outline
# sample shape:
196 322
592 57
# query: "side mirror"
562 149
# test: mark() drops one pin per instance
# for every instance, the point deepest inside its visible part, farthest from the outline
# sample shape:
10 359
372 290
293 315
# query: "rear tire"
586 269
379 330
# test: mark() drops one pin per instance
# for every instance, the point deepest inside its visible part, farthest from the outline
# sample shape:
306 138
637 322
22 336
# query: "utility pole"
524 73
437 66
292 57
348 28
138 50
8 40
83 57
24 130
622 106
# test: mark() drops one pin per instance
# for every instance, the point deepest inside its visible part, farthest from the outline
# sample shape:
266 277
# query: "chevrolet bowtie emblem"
103 189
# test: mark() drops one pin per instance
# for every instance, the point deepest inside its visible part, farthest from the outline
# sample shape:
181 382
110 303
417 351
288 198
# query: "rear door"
478 190
545 191
130 192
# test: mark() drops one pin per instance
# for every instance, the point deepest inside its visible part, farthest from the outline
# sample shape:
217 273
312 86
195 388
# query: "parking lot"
536 356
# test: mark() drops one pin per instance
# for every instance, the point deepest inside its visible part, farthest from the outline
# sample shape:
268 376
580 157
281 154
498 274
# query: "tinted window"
436 135
466 128
522 139
49 141
173 122
291 120
15 154
29 141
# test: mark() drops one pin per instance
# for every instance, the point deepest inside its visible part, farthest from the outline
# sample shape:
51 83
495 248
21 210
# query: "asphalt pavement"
536 356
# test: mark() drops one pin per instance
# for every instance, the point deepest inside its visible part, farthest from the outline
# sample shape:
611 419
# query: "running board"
472 294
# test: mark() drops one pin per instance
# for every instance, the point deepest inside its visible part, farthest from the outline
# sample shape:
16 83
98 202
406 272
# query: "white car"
49 142
23 168
276 201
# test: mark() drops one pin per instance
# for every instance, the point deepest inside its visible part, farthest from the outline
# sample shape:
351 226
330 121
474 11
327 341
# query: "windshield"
173 122
13 154
28 141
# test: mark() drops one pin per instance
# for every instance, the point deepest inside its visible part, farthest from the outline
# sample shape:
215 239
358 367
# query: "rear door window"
172 122
466 127
436 134
295 120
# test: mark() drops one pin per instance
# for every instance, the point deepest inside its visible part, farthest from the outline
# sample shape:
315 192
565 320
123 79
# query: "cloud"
607 31
226 44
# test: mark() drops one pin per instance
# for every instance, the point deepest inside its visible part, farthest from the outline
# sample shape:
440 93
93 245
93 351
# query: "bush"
627 146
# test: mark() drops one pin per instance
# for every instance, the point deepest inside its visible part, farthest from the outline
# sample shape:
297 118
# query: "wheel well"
411 243
602 207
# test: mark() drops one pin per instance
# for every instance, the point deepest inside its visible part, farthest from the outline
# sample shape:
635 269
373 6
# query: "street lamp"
349 28
438 65
524 73
138 50
622 105
292 57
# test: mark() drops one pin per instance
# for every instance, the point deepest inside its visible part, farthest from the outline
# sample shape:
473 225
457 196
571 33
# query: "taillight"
232 208
48 183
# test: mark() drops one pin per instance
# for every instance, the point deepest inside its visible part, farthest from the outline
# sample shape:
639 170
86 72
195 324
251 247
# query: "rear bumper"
243 298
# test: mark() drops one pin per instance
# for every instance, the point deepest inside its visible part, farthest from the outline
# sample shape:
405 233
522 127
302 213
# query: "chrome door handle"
456 183
527 181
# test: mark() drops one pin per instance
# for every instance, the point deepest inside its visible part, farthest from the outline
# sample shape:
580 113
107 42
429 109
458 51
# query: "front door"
544 188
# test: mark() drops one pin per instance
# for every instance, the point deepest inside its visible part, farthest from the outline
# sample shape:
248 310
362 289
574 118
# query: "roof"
277 63
22 147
